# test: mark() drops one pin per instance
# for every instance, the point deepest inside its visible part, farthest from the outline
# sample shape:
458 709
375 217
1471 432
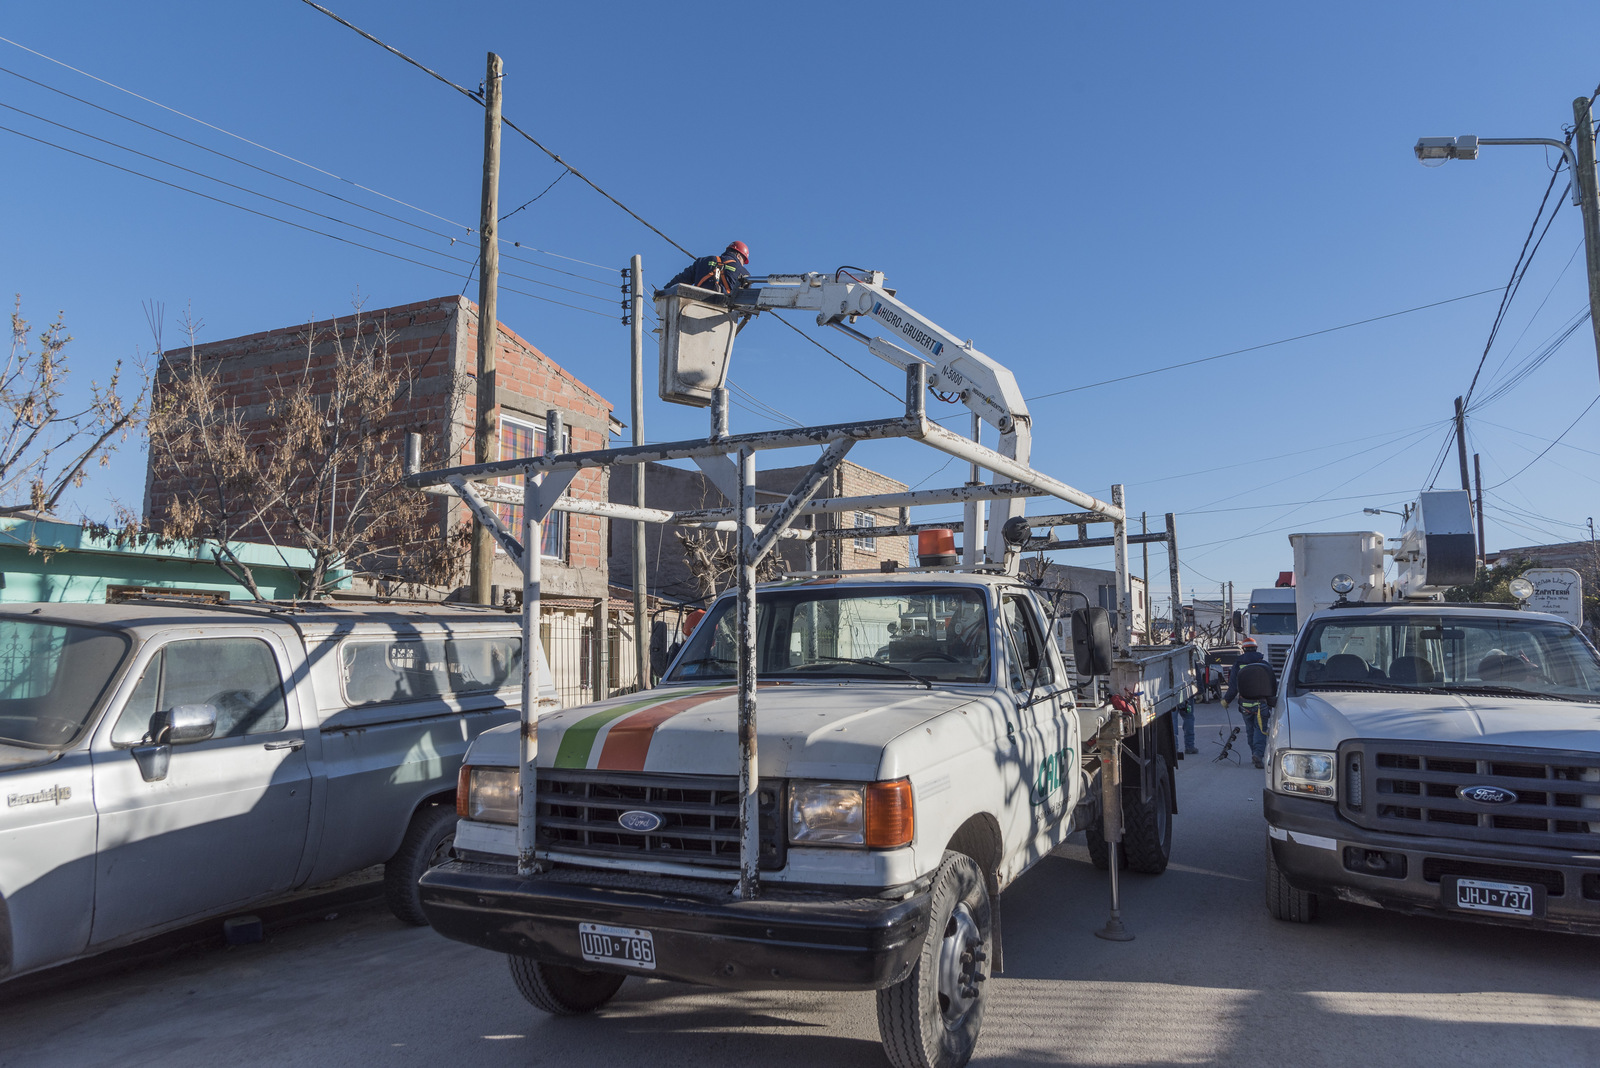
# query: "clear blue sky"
1085 190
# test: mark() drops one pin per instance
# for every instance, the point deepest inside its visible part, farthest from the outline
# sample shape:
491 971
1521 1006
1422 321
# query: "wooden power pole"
1461 442
486 446
1589 199
641 618
1477 473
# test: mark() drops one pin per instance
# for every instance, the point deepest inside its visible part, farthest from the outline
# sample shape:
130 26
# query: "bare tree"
712 557
318 467
45 450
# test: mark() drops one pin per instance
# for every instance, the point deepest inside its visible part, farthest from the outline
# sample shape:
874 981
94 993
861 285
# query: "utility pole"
1588 189
641 637
1144 547
1477 472
1461 442
1228 618
486 447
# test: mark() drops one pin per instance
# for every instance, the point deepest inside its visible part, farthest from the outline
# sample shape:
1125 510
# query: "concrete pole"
486 446
972 532
641 620
1119 532
1589 200
1172 576
1144 547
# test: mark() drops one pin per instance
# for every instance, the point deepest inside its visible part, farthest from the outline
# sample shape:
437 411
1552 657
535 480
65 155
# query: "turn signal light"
889 822
463 790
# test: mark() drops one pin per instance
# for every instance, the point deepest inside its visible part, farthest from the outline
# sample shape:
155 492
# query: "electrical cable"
286 222
1550 446
829 351
505 121
1264 345
542 192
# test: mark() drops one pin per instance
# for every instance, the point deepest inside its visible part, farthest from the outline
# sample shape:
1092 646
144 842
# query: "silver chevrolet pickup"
162 762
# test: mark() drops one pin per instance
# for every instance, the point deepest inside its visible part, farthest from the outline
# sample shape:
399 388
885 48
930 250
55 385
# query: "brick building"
437 341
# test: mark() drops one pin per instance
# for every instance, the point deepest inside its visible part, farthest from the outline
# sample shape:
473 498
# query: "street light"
1383 511
1580 157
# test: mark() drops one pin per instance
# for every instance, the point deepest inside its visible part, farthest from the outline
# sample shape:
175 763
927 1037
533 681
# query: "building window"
866 544
519 440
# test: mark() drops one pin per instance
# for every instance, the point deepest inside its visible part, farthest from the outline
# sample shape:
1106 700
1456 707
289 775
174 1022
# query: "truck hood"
807 730
1323 720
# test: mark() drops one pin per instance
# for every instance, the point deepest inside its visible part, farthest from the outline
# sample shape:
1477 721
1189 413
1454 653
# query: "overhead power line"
1550 446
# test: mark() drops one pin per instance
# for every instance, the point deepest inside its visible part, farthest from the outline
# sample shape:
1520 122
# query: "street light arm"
1566 150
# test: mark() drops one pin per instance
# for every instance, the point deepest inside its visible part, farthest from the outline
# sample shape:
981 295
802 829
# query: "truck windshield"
1530 657
52 676
1272 622
899 633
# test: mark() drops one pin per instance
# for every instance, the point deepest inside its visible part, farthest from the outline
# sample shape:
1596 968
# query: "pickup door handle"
291 743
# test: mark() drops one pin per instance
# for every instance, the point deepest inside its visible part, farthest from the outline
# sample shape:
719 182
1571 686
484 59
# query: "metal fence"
584 668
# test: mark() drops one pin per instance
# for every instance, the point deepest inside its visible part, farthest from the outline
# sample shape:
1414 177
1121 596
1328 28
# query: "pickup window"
1533 658
237 675
51 679
882 633
382 672
1030 663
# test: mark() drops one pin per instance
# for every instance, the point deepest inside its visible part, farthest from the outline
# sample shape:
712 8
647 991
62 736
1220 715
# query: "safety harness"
721 274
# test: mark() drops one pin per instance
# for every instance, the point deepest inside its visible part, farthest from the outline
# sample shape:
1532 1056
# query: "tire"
927 1020
1147 826
1284 901
427 843
560 990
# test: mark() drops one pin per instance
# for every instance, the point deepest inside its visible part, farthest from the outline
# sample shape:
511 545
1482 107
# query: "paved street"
1210 979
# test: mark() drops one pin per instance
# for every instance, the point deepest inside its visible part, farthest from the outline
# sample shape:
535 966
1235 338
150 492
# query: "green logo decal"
1052 773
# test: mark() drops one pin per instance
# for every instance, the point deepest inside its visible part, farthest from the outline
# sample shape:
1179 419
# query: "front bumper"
785 939
1318 852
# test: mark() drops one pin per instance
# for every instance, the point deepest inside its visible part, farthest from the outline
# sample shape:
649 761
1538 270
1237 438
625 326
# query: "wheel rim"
960 966
441 853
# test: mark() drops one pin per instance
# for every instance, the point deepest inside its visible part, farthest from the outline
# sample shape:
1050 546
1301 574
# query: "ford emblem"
1487 795
639 822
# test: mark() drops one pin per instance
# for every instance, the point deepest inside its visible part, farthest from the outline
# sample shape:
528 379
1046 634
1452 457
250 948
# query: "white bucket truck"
918 746
1433 758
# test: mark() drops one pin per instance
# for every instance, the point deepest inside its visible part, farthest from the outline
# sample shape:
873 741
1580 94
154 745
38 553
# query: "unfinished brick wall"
437 341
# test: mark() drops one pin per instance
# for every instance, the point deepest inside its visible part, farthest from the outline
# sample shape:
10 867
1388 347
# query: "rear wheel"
1147 825
1284 901
931 1018
560 990
427 842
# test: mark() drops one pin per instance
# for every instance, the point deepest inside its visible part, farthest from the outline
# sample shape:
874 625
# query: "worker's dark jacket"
715 273
1249 656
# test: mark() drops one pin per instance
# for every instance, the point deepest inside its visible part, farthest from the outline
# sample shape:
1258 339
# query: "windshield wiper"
870 663
1353 684
1515 691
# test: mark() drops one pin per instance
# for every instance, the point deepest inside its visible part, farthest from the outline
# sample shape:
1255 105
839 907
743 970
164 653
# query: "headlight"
488 795
877 815
1308 772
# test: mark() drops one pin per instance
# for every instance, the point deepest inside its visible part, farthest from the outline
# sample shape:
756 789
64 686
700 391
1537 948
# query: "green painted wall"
45 560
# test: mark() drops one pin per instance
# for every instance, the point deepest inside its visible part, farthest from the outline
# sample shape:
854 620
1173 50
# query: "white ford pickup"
1440 759
920 746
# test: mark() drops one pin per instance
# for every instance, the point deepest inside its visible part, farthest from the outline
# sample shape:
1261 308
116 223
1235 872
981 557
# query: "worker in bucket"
1256 708
721 274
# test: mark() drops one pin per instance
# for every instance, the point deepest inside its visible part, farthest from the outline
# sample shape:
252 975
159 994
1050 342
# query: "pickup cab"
1437 759
161 763
919 747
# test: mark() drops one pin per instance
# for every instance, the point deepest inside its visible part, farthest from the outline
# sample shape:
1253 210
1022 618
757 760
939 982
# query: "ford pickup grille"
1541 797
579 812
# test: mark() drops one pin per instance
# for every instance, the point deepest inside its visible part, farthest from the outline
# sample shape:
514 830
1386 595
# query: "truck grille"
1277 656
1410 787
579 810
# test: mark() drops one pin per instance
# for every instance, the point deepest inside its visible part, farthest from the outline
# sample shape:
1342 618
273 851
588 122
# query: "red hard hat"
741 248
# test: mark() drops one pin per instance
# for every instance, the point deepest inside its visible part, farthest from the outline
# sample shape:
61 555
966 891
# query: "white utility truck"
1434 758
919 743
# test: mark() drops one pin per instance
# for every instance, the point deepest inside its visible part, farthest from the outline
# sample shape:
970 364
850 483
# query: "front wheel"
427 842
560 990
1284 901
931 1018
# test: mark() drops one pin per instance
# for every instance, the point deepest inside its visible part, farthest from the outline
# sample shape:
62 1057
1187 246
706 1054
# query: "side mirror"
184 724
1238 621
1091 641
178 725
